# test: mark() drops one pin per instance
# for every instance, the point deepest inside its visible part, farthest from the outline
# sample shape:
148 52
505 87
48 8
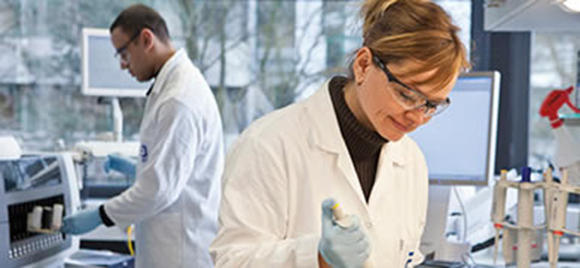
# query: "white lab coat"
175 198
284 166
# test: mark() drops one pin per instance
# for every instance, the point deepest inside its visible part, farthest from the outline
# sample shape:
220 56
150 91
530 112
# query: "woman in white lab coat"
346 142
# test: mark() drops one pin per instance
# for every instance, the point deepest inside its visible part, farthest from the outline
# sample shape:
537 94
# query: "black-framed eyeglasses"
409 98
120 52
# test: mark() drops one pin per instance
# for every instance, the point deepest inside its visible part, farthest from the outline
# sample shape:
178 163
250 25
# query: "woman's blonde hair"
417 30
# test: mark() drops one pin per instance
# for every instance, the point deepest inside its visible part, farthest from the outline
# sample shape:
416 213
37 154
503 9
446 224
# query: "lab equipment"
56 221
526 219
531 15
553 102
34 219
88 149
31 187
84 258
129 240
343 242
117 120
82 222
93 154
101 72
120 164
510 235
555 204
453 251
567 158
10 148
557 217
567 154
467 128
510 243
527 232
45 219
449 264
567 149
498 208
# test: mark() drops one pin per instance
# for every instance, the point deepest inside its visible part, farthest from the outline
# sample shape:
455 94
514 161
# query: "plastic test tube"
558 218
498 209
46 218
525 219
57 210
35 219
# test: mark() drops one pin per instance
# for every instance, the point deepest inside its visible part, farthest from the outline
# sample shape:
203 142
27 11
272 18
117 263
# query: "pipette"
498 209
344 220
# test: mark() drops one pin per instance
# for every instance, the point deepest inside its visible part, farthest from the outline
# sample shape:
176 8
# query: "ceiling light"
571 5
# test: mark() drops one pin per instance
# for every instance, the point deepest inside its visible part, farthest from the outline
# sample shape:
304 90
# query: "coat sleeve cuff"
104 217
307 251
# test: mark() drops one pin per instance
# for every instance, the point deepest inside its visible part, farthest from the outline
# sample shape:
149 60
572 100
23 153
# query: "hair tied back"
372 11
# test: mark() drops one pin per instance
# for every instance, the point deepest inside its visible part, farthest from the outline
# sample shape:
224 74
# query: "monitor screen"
30 173
101 71
459 144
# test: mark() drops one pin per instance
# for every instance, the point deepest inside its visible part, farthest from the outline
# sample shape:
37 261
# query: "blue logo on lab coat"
143 153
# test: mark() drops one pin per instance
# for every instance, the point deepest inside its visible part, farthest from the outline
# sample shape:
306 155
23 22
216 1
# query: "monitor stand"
437 214
114 144
117 120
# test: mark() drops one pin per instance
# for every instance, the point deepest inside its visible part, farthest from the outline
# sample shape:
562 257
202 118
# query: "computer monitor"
459 147
459 144
101 72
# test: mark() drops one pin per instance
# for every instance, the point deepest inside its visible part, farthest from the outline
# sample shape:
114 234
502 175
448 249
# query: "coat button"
369 225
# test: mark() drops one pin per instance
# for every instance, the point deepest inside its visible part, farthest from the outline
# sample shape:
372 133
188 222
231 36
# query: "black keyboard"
449 264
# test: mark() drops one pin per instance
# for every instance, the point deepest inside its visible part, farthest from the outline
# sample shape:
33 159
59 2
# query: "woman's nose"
416 116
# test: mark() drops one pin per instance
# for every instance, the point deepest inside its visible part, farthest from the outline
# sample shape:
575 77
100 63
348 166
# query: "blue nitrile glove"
342 246
120 164
82 222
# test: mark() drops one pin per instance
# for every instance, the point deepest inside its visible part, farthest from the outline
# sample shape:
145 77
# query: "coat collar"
166 69
326 135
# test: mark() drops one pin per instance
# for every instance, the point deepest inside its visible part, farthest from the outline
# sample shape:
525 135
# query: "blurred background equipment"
35 191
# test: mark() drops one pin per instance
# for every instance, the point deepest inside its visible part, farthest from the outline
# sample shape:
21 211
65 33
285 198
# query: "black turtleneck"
364 145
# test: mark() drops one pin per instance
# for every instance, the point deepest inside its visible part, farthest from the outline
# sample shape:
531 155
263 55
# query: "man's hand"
82 222
120 164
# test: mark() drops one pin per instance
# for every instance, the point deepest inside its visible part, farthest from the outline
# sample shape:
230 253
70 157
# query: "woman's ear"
361 64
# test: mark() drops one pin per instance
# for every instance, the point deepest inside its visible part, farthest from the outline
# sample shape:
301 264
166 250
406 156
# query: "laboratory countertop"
436 264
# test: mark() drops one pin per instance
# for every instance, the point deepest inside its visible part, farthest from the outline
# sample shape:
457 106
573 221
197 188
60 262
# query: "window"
257 55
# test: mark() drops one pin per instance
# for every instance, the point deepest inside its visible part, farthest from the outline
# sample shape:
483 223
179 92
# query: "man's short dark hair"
138 17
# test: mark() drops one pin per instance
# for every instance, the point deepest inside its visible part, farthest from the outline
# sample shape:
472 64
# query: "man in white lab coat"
175 198
347 142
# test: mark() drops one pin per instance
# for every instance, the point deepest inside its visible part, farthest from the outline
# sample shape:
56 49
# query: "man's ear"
147 38
361 65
